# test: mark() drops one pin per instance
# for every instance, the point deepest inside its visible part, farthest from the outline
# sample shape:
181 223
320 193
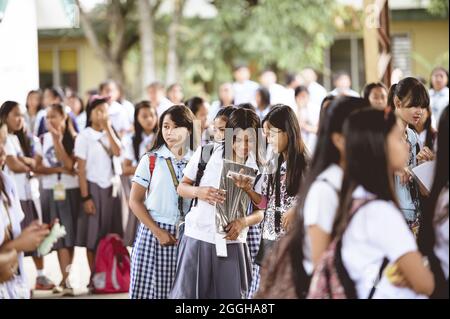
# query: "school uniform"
11 217
119 117
21 181
201 274
91 146
377 231
408 195
60 194
320 207
438 102
128 154
152 265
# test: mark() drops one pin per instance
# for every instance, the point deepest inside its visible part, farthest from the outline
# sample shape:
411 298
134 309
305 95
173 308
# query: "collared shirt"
162 198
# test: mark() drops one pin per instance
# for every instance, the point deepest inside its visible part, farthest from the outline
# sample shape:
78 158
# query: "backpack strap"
175 184
378 279
326 181
205 155
151 166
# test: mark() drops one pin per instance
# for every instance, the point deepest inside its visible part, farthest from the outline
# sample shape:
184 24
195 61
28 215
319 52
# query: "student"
156 96
324 181
262 98
94 149
60 194
154 256
369 221
425 131
53 95
244 89
34 110
307 116
120 118
439 93
135 146
433 238
317 93
77 106
343 85
409 98
282 185
200 272
278 94
14 240
200 111
377 95
220 123
226 98
175 93
20 164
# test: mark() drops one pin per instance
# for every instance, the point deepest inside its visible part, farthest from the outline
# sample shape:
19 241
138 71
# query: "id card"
59 192
221 246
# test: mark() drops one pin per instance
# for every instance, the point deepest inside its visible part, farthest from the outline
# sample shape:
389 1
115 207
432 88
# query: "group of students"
165 157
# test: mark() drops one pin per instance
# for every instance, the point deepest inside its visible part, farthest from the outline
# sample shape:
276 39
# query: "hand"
105 122
405 176
8 265
165 238
56 134
30 162
211 195
234 228
395 276
68 171
89 207
288 218
242 182
425 155
32 236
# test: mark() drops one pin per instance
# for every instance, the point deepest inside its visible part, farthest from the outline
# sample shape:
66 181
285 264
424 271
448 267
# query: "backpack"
112 266
330 279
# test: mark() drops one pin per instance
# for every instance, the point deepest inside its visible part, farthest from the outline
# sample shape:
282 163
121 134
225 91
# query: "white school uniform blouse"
378 230
98 163
320 207
119 117
9 289
200 221
441 227
144 147
46 150
22 183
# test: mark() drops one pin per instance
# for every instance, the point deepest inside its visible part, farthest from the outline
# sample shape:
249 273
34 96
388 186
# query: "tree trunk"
147 43
172 72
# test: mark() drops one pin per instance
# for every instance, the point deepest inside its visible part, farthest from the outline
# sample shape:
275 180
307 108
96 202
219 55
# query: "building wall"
429 42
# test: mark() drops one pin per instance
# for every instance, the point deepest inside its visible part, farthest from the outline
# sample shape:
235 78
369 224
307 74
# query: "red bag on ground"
112 266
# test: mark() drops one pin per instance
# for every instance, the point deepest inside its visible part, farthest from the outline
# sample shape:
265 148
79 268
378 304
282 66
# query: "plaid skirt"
152 265
253 240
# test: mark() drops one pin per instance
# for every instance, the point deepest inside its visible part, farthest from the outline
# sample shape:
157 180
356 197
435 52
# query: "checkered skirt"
152 265
253 240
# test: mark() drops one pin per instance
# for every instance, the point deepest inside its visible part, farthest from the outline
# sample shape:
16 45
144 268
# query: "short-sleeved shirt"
119 117
438 101
378 230
88 147
22 183
286 202
320 206
46 150
441 227
200 222
162 197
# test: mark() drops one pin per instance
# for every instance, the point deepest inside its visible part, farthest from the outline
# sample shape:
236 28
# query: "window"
401 51
58 67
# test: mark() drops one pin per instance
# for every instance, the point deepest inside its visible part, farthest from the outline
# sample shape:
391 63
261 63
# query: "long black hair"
25 141
194 104
264 95
40 106
427 236
96 101
366 161
411 92
182 116
284 119
242 118
326 153
57 93
138 129
430 132
68 140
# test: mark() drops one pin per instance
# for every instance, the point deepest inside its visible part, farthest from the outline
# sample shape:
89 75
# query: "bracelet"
85 199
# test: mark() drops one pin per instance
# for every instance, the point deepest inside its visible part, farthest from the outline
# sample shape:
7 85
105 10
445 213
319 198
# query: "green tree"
439 7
